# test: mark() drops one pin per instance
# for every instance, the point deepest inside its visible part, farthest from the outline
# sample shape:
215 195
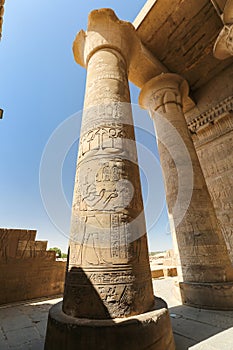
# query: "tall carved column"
206 270
108 279
108 233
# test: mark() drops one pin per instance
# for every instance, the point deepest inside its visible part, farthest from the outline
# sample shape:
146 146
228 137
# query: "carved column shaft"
202 250
108 299
108 271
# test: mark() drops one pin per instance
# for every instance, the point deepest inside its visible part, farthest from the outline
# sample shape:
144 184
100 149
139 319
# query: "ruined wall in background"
27 269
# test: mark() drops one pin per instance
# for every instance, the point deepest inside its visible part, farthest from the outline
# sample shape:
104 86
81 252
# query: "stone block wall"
213 142
27 269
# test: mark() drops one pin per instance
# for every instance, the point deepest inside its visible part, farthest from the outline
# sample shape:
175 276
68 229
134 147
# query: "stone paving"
193 328
23 325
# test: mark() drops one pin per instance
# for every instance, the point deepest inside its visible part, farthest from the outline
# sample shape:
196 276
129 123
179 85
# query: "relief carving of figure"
92 249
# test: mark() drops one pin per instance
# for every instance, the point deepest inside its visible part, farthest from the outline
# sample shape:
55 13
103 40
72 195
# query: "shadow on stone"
150 330
192 326
75 304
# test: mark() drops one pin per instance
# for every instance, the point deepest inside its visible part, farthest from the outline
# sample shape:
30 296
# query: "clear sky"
40 87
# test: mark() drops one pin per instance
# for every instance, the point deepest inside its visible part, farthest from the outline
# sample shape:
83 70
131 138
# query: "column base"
217 296
149 331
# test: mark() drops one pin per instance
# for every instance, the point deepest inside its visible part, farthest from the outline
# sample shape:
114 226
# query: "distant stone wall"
27 269
213 142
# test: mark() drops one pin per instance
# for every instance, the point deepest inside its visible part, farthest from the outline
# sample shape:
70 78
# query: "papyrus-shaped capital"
105 30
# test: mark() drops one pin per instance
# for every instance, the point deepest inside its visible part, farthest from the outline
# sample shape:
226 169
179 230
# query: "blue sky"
41 86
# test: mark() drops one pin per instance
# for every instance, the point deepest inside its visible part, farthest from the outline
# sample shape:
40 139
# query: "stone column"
108 295
206 272
108 233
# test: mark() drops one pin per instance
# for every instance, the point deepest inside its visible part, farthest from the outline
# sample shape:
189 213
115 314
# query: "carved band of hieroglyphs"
96 278
109 278
106 114
96 89
105 93
105 139
118 237
105 71
107 75
225 106
115 236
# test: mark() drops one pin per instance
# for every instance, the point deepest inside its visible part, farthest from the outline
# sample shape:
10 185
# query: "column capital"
223 47
166 88
228 12
105 31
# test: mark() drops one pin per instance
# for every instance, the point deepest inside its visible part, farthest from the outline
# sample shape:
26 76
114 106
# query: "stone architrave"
108 298
205 269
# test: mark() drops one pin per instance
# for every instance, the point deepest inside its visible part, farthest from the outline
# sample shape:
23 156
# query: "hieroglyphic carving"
89 249
102 239
116 88
197 227
112 114
105 139
27 270
113 277
111 293
118 237
9 242
225 106
115 236
4 245
119 274
107 215
98 192
31 249
106 187
217 165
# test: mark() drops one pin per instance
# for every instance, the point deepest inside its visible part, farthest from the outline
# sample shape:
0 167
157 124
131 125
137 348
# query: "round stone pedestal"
149 331
217 296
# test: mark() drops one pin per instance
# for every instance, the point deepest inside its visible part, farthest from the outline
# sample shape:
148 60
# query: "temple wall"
213 142
27 269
